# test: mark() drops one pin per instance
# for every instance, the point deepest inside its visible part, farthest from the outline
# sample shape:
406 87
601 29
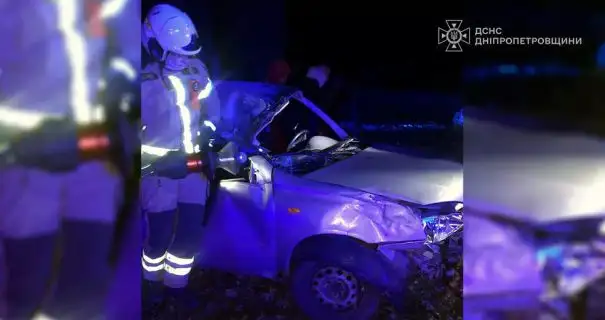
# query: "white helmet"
168 29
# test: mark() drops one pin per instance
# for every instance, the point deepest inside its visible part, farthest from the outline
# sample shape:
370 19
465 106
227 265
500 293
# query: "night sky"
389 45
385 46
380 43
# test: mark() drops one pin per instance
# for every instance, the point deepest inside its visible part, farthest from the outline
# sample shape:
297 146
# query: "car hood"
394 175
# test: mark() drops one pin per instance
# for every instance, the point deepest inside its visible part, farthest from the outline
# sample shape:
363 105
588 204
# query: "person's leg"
29 221
159 206
89 212
124 297
186 245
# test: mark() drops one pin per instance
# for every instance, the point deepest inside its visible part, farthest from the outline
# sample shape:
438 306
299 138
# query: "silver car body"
370 195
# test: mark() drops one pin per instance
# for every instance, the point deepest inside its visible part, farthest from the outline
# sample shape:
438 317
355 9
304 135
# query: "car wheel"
325 291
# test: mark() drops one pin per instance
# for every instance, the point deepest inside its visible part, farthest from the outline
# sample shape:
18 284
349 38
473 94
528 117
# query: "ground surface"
229 297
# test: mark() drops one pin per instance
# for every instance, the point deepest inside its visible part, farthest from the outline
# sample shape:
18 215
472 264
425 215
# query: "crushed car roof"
252 104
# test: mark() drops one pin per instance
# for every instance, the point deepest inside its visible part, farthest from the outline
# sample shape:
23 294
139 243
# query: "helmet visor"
193 46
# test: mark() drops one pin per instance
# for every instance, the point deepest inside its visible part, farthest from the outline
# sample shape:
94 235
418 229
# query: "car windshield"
300 141
296 119
306 161
283 126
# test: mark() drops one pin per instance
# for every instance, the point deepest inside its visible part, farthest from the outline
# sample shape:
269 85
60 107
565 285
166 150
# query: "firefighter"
53 71
179 108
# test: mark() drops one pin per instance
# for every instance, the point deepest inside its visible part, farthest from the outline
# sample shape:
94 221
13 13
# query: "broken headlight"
570 265
440 221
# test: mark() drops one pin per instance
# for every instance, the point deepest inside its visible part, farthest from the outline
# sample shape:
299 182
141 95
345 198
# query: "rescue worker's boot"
179 299
153 293
159 234
181 303
180 259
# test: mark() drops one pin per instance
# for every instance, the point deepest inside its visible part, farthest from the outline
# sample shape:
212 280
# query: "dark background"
386 63
384 45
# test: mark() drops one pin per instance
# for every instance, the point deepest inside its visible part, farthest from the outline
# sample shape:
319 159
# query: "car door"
297 203
240 235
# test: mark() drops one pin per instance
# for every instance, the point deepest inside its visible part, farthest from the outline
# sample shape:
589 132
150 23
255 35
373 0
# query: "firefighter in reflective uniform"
49 73
178 101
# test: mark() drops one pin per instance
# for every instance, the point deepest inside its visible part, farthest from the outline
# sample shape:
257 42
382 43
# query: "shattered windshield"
299 141
283 126
307 161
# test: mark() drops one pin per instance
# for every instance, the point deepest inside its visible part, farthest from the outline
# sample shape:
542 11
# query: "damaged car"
310 203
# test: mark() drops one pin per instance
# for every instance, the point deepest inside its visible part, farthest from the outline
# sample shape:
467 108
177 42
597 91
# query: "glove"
53 146
173 165
206 137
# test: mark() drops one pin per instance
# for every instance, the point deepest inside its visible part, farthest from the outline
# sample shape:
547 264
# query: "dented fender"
335 209
319 220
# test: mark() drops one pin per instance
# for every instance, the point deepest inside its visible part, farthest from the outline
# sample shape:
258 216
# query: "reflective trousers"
174 211
57 220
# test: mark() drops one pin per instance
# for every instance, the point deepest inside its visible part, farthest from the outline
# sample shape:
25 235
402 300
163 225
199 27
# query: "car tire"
304 283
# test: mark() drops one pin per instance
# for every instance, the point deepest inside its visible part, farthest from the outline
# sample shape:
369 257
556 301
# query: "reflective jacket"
54 56
174 106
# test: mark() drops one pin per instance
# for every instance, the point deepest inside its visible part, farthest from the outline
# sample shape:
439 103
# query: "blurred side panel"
68 92
534 203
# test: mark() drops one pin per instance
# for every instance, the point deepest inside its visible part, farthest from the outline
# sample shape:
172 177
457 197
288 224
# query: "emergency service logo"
455 36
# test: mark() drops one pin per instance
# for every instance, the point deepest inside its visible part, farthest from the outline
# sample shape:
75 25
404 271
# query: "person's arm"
312 83
310 88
